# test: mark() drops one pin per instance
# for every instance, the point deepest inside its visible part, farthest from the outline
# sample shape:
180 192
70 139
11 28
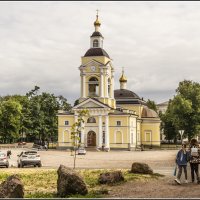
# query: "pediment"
90 103
92 62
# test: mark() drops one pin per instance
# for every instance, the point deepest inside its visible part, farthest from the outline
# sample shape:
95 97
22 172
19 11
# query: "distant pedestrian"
45 147
182 158
9 153
194 159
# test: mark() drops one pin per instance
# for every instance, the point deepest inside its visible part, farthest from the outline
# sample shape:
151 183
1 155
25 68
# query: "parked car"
29 158
21 143
81 151
39 147
4 159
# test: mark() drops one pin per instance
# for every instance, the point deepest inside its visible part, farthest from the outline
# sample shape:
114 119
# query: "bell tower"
97 71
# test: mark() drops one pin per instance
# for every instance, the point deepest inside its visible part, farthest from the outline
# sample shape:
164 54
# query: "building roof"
163 104
148 113
96 52
96 33
125 94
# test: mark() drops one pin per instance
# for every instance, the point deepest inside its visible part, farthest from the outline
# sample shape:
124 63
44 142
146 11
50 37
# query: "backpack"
194 151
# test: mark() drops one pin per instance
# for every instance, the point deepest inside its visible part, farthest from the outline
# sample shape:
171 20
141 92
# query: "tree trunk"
74 157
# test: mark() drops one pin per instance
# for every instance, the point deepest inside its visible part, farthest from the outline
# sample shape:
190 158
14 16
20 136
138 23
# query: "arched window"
109 87
93 87
91 120
95 43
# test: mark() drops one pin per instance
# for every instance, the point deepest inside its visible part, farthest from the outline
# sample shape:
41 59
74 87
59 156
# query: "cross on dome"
97 22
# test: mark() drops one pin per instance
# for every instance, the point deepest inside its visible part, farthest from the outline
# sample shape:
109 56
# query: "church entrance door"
91 139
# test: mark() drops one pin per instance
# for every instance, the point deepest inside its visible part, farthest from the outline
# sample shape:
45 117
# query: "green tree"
43 113
76 131
167 126
10 120
152 105
33 92
184 108
25 121
76 102
63 104
38 114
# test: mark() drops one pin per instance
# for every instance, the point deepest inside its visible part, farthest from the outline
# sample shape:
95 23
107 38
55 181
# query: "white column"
100 132
106 85
101 84
112 85
83 85
107 134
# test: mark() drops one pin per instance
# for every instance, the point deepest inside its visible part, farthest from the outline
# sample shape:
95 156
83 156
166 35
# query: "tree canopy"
152 105
32 115
183 112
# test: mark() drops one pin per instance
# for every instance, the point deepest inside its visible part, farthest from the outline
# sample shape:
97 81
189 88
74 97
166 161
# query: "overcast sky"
41 43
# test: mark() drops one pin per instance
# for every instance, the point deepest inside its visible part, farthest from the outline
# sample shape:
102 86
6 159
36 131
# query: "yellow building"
119 119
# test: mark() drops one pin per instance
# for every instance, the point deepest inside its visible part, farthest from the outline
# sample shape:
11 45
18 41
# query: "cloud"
42 42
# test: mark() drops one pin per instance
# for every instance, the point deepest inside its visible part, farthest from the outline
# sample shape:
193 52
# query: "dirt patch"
163 187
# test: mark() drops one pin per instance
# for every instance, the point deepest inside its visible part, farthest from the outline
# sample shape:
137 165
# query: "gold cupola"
97 23
123 77
123 80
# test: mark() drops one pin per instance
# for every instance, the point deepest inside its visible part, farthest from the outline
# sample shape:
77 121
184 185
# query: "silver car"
4 160
81 151
29 158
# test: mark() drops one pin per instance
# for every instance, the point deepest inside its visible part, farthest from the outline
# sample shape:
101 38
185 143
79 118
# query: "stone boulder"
141 168
111 177
70 182
12 188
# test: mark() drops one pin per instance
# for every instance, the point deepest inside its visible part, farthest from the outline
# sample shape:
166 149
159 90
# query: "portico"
97 122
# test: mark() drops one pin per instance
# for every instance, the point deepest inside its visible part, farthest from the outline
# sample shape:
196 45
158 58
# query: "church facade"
118 119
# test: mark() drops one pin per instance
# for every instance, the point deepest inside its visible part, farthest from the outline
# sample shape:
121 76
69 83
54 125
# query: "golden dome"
123 77
97 22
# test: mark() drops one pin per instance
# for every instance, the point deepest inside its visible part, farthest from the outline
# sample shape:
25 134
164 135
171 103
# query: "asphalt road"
161 161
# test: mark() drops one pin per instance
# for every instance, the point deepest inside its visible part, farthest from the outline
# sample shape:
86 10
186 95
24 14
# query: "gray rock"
141 168
70 182
12 188
111 177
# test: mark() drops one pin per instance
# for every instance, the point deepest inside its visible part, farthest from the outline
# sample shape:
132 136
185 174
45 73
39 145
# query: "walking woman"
194 159
181 160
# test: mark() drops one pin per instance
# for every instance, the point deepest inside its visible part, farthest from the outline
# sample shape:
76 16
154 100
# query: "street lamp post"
181 134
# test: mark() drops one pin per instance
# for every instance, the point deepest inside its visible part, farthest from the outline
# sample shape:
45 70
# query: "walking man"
181 160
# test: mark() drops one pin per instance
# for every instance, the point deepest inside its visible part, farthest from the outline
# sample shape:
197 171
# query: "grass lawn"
42 183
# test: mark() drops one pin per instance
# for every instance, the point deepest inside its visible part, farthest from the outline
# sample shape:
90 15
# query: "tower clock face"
93 68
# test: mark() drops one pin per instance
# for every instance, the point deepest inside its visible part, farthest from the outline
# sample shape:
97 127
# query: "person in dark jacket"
194 160
9 153
182 158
